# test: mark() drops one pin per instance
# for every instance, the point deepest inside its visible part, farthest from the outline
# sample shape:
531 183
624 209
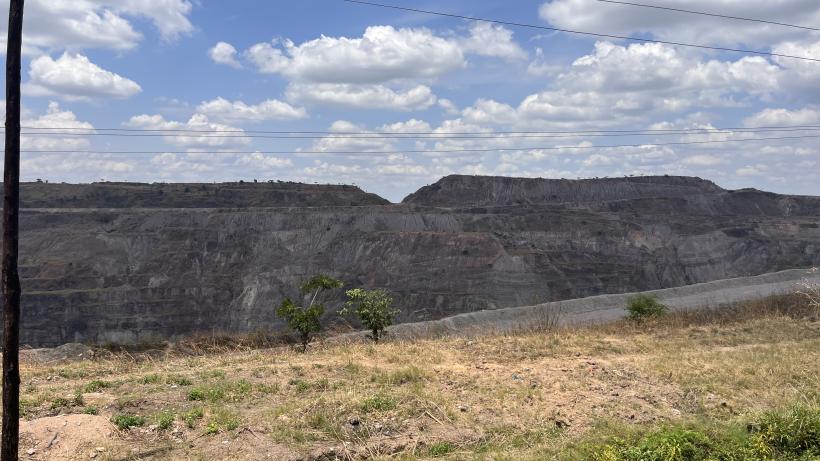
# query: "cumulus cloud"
704 160
80 24
590 15
365 96
222 110
784 117
224 53
75 77
385 68
630 85
169 16
494 40
187 133
55 117
382 54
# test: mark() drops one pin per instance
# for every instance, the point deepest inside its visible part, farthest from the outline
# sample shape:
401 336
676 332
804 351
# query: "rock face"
460 190
98 273
191 195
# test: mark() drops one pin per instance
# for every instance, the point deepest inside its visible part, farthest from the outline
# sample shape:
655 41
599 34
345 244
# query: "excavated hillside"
127 263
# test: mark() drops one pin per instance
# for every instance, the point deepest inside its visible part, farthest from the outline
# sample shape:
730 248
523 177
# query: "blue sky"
333 66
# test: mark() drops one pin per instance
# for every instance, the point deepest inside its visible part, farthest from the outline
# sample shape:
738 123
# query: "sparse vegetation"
192 417
789 434
642 307
811 291
164 419
126 421
737 380
306 320
374 308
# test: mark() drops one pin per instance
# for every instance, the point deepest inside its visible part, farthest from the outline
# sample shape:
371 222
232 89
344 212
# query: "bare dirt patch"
65 437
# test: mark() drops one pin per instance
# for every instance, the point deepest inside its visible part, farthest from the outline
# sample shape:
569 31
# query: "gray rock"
122 268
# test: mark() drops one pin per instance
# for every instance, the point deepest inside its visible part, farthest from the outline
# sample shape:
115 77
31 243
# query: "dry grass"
523 396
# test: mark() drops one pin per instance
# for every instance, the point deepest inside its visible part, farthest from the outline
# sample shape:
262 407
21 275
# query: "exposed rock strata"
100 274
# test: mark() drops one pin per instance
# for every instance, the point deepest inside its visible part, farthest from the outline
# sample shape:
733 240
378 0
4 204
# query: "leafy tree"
643 306
373 307
305 320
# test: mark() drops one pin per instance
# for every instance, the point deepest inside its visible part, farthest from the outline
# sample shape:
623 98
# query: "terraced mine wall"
122 263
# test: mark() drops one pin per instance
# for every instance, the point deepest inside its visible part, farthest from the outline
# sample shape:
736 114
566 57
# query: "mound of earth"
65 437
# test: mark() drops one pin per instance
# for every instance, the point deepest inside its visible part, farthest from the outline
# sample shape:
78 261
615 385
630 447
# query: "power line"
716 15
411 136
578 32
420 151
74 131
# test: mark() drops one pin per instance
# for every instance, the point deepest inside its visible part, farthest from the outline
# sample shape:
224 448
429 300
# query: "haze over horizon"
336 67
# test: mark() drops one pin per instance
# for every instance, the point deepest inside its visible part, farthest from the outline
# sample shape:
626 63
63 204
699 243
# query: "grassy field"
738 383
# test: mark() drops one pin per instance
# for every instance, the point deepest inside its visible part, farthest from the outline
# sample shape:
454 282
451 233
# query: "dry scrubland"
743 381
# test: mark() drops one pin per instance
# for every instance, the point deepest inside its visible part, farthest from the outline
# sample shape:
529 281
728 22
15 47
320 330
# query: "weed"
301 385
151 379
96 386
379 402
125 421
164 419
192 416
439 449
90 410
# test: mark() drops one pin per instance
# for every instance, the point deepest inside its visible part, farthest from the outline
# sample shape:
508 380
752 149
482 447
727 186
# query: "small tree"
305 320
373 307
643 306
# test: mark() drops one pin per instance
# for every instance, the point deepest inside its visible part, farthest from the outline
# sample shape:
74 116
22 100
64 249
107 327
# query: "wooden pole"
11 210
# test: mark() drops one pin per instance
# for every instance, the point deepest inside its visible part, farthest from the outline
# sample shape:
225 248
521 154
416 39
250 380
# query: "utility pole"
11 214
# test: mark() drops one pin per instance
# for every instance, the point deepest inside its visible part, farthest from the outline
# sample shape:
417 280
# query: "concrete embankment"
606 308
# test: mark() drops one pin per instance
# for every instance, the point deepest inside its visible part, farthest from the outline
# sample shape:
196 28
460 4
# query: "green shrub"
125 421
164 419
789 434
372 307
151 379
795 430
192 416
305 320
90 410
379 402
96 386
196 394
440 449
60 402
178 380
642 307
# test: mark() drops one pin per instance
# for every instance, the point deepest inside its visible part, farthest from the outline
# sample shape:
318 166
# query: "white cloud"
192 139
222 110
594 16
752 170
224 53
449 106
74 77
494 40
55 117
598 160
784 117
631 85
381 55
419 97
79 24
704 160
259 161
169 16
